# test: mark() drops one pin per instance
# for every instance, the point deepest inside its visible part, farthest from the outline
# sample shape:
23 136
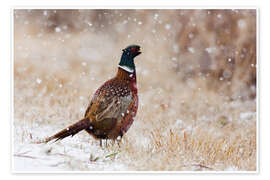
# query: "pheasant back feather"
113 106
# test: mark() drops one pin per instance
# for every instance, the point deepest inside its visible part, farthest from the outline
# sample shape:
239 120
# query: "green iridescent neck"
127 63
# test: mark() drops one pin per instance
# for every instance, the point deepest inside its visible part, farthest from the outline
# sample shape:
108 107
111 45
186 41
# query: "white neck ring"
126 68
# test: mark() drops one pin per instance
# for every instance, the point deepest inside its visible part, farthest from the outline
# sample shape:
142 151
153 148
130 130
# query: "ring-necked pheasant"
113 106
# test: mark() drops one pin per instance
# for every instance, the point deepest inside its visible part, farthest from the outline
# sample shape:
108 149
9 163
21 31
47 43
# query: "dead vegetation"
196 80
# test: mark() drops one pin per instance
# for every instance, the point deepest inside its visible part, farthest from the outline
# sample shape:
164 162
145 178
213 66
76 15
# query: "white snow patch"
178 123
84 63
191 50
174 59
241 23
210 49
45 13
156 16
38 80
81 97
247 115
219 16
70 154
232 168
57 29
168 26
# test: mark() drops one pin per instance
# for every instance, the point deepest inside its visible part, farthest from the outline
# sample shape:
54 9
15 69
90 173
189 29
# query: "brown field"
196 81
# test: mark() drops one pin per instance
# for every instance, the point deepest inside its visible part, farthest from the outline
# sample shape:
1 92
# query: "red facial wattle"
134 50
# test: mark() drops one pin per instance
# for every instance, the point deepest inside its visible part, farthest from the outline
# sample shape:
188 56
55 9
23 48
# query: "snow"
241 23
247 115
156 16
232 168
57 29
84 63
190 35
81 98
175 48
69 154
38 80
219 16
174 59
168 26
181 56
89 24
210 49
45 13
191 49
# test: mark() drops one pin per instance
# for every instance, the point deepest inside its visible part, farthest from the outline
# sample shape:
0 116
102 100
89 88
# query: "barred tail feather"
69 131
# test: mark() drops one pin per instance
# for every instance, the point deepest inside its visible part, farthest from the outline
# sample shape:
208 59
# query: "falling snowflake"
45 13
57 29
156 16
191 49
168 26
241 23
84 63
38 80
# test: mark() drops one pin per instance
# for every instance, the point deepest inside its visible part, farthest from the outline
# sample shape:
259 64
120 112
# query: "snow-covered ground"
70 154
196 83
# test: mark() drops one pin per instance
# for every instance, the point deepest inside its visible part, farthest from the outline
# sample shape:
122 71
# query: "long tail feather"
69 131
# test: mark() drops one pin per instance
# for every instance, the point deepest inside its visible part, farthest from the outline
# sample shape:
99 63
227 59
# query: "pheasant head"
127 59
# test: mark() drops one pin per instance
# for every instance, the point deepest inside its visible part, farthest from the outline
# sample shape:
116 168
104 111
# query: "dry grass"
190 117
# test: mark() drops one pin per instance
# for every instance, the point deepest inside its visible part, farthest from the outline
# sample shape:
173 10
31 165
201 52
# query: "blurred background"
215 49
196 76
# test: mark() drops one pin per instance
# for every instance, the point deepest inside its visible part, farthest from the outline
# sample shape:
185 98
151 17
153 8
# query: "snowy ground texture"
196 81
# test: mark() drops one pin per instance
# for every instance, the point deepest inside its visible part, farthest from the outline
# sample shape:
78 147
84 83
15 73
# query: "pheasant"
114 105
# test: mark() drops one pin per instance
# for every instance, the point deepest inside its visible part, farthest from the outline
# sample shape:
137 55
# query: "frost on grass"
76 154
196 82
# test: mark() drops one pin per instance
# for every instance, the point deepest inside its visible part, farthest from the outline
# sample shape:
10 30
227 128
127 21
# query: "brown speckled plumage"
114 105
